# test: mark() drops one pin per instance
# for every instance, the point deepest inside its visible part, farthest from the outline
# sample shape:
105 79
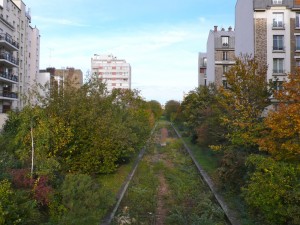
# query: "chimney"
222 29
215 28
230 28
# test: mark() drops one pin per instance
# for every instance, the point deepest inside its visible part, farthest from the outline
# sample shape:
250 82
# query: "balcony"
8 43
8 95
9 77
9 60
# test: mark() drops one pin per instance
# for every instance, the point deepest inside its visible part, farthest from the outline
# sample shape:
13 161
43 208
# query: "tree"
85 129
155 108
282 135
80 201
171 109
273 190
200 112
244 101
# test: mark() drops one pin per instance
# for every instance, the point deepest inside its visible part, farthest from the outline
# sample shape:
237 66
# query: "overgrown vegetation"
168 179
259 147
54 152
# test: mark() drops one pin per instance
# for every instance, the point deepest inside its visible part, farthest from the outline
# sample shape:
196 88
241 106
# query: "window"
225 69
278 65
277 20
277 2
224 82
297 42
204 61
297 20
278 85
225 41
298 63
225 55
278 42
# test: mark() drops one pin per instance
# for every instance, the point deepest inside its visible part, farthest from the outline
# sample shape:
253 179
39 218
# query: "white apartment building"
115 73
270 31
19 55
220 55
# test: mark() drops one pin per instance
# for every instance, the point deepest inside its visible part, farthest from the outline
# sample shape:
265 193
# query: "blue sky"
159 38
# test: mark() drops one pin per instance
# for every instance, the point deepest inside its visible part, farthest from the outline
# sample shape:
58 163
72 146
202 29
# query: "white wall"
244 27
210 72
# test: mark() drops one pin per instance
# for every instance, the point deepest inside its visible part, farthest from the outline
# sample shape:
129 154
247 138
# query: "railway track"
168 186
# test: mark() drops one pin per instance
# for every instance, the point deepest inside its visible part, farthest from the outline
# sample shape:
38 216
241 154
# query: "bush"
274 190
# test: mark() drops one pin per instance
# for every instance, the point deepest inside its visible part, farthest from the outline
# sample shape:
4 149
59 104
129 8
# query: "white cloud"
54 22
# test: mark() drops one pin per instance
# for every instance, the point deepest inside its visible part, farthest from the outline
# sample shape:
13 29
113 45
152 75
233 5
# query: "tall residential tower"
115 73
19 55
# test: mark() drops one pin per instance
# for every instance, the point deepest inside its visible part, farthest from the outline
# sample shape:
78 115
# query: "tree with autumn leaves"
260 147
281 138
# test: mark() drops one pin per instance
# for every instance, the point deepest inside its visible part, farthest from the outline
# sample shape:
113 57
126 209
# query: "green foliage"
244 101
85 129
155 108
274 190
201 113
16 207
80 201
171 109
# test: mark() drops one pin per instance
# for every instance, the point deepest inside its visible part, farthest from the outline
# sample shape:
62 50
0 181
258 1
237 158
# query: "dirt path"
163 191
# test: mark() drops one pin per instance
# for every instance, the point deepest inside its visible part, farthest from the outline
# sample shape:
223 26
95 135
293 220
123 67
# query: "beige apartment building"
70 75
114 72
270 30
19 55
219 57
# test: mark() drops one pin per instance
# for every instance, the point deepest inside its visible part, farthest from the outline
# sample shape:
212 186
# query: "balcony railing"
278 48
9 57
9 95
9 39
279 71
278 25
9 76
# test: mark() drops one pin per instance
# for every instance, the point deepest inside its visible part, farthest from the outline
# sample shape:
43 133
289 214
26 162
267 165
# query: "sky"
160 39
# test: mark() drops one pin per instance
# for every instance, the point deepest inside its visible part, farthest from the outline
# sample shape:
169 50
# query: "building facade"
58 77
202 66
220 55
19 55
270 31
115 73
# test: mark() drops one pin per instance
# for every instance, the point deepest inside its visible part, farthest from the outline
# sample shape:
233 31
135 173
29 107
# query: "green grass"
115 180
205 156
189 201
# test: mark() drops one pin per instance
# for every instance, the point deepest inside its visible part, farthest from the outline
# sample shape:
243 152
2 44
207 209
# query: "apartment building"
270 31
72 76
19 55
115 73
220 55
202 64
